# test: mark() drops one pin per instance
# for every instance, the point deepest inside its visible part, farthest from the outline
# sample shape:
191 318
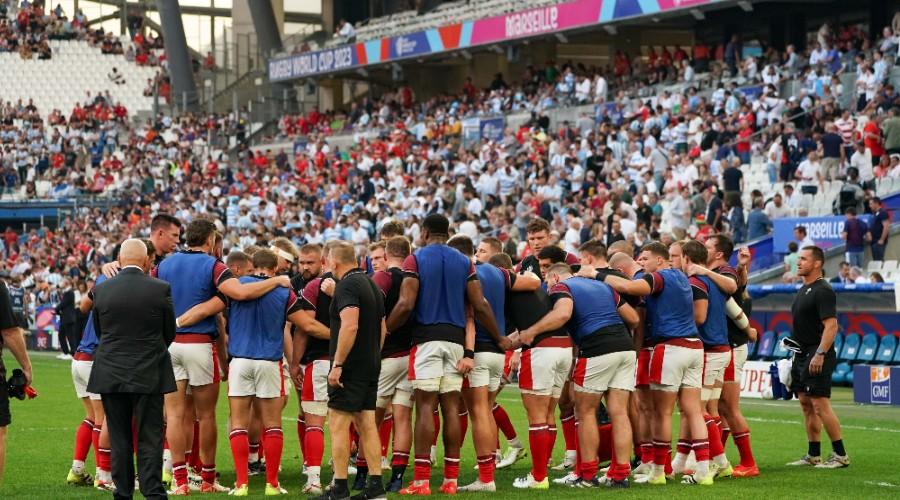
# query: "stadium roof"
529 23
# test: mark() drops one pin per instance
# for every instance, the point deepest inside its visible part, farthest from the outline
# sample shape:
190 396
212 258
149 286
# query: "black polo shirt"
356 289
813 304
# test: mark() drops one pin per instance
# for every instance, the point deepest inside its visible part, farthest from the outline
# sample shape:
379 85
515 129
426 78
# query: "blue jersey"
713 331
89 338
256 327
670 305
595 306
494 284
443 274
195 277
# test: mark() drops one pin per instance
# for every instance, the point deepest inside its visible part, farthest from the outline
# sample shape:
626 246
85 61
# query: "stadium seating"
77 68
886 350
867 351
781 352
751 350
848 354
896 356
766 345
838 342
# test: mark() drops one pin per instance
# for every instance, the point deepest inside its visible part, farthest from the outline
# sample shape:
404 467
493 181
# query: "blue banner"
824 231
312 63
409 45
878 385
491 128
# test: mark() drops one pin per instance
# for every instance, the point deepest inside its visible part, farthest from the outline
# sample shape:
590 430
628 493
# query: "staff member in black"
357 334
815 326
69 337
135 323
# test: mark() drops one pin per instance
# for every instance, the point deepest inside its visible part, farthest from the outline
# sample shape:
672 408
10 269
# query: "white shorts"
543 371
81 373
734 372
432 366
675 366
393 383
615 370
255 377
714 364
488 370
196 363
314 394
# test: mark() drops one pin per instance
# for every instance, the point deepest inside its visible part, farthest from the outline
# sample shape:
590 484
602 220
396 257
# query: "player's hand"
297 376
587 272
283 281
465 365
225 372
515 361
28 375
506 344
514 338
526 336
110 269
328 287
744 257
815 364
752 334
334 376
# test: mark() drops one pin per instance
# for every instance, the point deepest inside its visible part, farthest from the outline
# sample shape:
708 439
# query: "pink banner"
536 21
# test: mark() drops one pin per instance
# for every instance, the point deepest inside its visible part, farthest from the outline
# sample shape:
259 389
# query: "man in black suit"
135 323
68 325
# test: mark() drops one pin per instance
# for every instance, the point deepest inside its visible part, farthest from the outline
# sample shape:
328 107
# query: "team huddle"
411 344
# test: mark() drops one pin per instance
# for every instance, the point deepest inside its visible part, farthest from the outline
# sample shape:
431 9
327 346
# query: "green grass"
41 438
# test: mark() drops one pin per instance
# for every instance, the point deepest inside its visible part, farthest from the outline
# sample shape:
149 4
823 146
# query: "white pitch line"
797 422
883 484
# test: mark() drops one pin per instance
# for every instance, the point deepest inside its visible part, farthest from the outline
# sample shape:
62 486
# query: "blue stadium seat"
850 349
765 346
751 349
838 342
886 350
868 349
841 372
780 352
897 355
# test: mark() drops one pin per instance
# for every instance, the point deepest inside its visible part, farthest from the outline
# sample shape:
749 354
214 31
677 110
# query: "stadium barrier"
876 385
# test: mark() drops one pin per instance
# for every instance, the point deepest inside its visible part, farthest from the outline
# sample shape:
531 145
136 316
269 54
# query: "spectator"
801 236
880 230
809 172
680 213
733 183
736 222
758 222
345 31
832 152
861 160
116 77
790 264
776 209
876 278
843 275
854 235
891 129
857 276
851 194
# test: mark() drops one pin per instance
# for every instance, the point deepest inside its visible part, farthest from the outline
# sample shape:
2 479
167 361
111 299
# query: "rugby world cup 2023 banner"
515 25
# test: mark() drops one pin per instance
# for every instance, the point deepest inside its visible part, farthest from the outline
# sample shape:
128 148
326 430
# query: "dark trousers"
67 338
147 412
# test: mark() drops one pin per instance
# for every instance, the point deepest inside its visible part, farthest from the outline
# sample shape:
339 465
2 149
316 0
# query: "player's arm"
222 345
235 290
469 343
555 319
14 341
288 344
524 282
638 287
299 348
306 321
483 313
829 332
701 300
384 332
637 333
200 312
629 315
727 284
110 269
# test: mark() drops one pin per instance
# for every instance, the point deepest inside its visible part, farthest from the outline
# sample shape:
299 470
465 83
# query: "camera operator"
11 337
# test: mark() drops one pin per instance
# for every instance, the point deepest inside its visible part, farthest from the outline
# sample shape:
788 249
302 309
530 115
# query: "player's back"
670 308
443 276
190 275
256 327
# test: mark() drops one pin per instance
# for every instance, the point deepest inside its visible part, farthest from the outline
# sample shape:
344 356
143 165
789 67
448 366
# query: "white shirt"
809 173
600 89
774 212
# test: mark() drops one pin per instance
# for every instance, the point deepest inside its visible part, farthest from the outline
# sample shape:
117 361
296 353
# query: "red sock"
742 441
195 448
578 464
725 433
361 461
668 467
315 446
422 470
503 422
189 460
400 458
463 426
537 437
104 460
262 449
715 437
606 449
384 430
95 442
589 470
208 473
550 441
437 428
637 450
486 465
240 452
646 452
570 432
661 452
179 473
451 467
683 446
301 435
273 443
619 472
701 450
83 438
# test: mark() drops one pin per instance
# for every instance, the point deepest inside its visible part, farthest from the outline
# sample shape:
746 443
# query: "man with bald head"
134 322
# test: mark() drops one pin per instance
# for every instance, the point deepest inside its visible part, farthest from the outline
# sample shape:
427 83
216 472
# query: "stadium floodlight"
466 55
745 6
698 14
611 29
562 38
